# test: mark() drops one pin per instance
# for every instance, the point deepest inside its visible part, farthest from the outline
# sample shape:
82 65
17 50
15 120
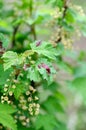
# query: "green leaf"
4 75
4 40
33 74
45 49
59 3
62 65
18 90
68 27
36 74
5 118
70 15
83 30
5 108
79 84
43 72
52 105
7 121
79 71
37 20
53 86
47 122
11 59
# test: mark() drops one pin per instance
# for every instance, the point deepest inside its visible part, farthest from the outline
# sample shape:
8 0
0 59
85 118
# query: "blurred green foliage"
30 62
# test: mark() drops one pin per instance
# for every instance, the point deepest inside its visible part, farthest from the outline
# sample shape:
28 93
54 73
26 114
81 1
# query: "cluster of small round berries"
55 36
34 108
60 33
64 36
66 39
22 118
8 92
81 15
28 103
57 13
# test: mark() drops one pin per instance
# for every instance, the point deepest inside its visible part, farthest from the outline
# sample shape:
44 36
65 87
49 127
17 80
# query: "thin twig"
15 30
32 27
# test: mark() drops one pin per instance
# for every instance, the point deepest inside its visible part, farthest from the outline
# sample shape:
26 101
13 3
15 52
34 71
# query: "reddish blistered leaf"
44 66
26 66
38 43
39 66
